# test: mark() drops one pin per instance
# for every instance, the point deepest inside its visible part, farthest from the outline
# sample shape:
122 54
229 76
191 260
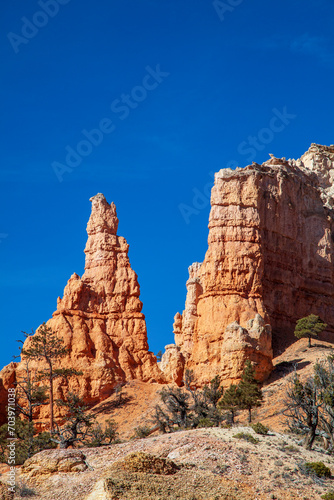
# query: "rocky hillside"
203 464
139 398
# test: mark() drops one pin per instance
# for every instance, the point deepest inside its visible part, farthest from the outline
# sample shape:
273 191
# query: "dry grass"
185 485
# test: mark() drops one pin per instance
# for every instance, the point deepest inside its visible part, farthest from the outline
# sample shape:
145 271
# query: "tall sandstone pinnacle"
270 261
99 318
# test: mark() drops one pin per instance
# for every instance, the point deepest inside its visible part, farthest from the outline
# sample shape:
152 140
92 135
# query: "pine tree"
310 326
231 401
27 442
45 345
78 421
80 427
178 405
212 394
214 391
29 395
250 392
303 407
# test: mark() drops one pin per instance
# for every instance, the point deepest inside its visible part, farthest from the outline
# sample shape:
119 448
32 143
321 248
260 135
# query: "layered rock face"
99 317
269 259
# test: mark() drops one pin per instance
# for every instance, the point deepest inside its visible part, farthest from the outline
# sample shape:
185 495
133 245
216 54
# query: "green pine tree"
310 326
81 427
29 395
249 390
231 401
46 346
27 441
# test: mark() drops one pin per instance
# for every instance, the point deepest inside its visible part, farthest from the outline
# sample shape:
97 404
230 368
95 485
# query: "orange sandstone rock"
270 257
99 317
172 364
7 381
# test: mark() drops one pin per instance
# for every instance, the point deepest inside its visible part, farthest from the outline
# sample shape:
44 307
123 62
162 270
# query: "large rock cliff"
99 318
269 262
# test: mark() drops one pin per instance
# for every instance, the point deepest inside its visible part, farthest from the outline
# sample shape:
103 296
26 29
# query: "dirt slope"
139 398
213 465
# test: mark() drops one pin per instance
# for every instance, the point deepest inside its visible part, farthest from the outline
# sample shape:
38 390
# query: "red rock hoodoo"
99 318
269 262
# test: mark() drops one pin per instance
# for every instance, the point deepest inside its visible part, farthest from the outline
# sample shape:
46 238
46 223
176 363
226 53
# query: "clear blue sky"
203 86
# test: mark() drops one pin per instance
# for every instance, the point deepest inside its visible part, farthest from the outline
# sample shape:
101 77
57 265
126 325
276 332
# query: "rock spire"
99 317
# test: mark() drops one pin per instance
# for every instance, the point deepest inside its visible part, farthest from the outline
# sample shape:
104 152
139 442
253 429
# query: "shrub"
291 448
246 437
318 468
328 496
25 491
260 428
27 443
145 462
205 422
97 436
142 432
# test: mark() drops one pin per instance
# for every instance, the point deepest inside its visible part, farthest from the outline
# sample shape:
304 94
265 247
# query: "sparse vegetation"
98 436
318 468
205 422
25 491
310 405
142 432
188 408
291 448
247 437
177 412
328 496
260 428
28 442
80 427
118 390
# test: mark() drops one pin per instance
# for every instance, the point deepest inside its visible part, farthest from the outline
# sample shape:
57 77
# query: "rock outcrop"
172 364
99 318
270 257
49 462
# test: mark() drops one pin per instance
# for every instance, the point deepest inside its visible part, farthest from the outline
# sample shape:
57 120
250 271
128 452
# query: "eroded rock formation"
49 462
270 256
99 318
172 364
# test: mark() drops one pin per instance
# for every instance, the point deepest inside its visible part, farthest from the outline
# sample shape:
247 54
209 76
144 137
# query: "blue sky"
203 85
